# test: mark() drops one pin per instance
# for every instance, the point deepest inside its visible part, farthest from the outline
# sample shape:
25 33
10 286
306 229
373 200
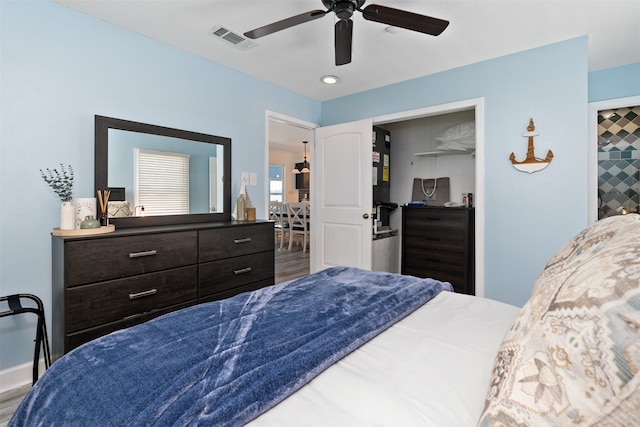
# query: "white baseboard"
18 376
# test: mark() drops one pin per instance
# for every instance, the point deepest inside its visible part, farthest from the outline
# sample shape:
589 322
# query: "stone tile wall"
618 161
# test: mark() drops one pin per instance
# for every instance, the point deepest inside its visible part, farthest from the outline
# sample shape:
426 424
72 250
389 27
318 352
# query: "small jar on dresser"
105 282
439 243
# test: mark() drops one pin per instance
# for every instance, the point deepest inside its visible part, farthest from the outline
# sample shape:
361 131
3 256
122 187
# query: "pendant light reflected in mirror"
305 164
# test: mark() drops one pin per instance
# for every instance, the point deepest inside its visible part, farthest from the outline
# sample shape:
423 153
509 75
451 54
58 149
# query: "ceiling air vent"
223 33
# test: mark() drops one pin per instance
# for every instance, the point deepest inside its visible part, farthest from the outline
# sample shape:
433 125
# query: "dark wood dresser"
439 243
106 282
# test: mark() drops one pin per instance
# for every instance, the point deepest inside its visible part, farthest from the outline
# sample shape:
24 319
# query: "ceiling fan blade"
343 40
285 23
403 19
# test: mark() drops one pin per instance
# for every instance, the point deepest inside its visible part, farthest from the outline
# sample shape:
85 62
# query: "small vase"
67 216
89 222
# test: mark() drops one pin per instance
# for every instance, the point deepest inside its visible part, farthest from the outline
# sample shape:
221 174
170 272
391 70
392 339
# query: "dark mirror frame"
102 126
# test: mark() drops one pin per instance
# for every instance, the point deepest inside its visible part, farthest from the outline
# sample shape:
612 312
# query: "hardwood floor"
289 265
9 401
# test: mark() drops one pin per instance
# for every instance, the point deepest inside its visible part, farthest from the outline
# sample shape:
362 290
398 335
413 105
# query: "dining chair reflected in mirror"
277 213
298 214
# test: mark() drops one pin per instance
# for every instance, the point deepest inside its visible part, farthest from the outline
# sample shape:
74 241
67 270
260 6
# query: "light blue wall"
58 69
614 83
528 217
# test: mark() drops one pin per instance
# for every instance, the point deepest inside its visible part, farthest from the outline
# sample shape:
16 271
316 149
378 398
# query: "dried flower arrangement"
60 181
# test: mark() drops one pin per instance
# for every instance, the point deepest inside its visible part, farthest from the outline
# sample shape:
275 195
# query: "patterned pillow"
572 357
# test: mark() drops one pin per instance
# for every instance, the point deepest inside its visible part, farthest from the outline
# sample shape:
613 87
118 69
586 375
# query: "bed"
347 347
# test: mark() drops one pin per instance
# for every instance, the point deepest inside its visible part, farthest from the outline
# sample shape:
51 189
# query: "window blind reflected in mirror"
161 183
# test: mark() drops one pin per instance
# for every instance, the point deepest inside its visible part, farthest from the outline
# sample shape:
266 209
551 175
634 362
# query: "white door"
216 182
342 196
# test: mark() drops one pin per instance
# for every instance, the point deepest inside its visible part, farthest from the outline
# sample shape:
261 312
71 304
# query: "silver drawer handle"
245 240
133 316
143 253
143 294
242 270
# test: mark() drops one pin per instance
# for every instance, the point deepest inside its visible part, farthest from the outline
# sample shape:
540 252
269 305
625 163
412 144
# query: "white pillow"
461 136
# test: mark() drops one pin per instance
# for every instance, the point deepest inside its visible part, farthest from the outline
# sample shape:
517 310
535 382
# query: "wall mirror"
126 153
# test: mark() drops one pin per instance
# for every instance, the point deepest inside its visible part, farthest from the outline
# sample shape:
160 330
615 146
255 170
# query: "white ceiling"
295 58
287 136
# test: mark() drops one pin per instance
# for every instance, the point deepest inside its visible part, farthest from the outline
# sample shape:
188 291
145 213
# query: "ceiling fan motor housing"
343 8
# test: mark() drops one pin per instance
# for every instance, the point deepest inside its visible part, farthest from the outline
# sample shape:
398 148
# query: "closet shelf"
444 153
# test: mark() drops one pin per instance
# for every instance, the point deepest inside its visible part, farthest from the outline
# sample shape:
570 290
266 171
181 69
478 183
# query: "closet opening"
437 151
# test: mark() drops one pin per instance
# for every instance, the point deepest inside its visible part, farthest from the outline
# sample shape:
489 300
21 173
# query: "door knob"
365 216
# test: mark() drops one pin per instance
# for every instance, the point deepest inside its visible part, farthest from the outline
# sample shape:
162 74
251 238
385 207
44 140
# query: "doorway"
285 149
477 106
614 160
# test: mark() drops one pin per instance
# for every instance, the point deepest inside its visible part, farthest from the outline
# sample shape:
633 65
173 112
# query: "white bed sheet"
430 369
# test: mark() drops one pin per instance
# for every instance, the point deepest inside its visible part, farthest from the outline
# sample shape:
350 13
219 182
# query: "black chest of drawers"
440 243
106 282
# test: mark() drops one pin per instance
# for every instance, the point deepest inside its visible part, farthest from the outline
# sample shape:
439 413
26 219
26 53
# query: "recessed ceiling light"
330 80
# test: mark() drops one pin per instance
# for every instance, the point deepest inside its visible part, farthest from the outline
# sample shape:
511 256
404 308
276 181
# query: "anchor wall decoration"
531 163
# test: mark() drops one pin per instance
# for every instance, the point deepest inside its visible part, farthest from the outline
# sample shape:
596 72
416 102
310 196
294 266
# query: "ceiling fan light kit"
344 9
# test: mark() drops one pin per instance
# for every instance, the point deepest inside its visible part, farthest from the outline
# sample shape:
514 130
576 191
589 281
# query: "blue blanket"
224 362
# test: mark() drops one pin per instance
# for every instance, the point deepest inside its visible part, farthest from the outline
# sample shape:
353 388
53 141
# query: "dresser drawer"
100 303
76 339
235 291
229 242
457 277
222 275
450 262
94 260
445 221
441 265
446 259
436 241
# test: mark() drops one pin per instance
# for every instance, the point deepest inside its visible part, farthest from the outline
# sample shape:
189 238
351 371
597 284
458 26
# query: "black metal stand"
15 307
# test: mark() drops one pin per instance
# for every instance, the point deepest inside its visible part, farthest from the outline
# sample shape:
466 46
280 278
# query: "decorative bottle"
241 208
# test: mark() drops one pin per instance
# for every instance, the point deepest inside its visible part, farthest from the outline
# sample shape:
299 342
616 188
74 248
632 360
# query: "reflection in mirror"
161 175
165 176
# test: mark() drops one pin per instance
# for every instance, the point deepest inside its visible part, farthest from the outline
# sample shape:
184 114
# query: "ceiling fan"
343 10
